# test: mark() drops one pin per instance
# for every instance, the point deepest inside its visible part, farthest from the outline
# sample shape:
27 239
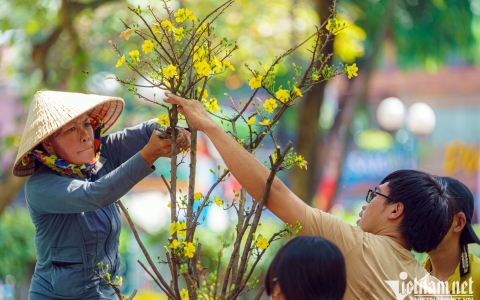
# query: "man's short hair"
428 207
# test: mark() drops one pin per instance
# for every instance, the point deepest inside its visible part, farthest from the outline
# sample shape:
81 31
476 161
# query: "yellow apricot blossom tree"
180 53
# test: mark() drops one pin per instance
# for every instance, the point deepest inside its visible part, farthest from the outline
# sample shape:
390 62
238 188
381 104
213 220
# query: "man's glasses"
371 194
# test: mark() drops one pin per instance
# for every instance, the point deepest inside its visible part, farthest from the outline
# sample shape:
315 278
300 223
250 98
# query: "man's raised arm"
245 167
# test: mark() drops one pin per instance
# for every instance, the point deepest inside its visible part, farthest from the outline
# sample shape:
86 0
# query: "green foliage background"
17 253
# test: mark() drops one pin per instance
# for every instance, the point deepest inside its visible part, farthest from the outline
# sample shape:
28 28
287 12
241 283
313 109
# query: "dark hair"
428 207
308 267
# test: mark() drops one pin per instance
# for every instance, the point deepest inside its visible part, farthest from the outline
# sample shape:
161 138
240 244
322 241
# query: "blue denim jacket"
77 223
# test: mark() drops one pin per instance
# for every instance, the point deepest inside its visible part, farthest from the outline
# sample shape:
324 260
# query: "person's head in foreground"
412 206
307 267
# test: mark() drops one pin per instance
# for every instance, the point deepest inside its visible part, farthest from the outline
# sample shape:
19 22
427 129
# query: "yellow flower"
255 82
190 15
274 157
205 92
135 54
179 34
170 71
120 281
265 122
261 243
198 53
213 105
184 294
197 196
297 91
174 227
217 63
120 61
183 14
202 28
182 229
155 29
282 95
228 65
189 250
180 15
251 121
163 120
147 46
315 77
352 70
175 243
334 28
270 105
202 68
166 83
218 201
167 25
301 162
169 205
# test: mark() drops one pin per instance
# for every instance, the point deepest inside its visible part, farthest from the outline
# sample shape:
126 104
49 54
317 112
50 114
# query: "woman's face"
74 142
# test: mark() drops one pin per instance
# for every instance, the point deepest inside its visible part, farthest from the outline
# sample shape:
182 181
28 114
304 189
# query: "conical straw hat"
51 110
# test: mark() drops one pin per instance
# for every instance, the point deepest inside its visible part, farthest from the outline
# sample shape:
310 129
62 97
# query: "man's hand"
246 168
193 110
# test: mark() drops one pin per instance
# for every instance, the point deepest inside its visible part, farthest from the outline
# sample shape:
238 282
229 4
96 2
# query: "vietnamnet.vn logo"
427 288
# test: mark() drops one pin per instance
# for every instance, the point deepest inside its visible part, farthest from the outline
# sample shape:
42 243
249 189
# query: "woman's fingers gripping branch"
157 147
183 141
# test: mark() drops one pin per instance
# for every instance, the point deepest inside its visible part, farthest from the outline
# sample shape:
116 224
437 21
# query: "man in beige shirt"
408 210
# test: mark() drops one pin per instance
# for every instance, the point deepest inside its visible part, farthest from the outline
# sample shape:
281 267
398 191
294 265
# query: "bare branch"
165 287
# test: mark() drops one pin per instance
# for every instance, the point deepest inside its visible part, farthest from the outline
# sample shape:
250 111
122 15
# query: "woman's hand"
183 140
193 110
158 147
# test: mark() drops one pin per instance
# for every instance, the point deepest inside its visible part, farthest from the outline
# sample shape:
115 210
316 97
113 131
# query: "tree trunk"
304 181
336 140
9 187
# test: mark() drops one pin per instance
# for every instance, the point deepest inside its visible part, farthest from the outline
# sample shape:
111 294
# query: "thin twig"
258 212
169 292
199 210
173 269
150 29
114 286
154 278
260 293
166 184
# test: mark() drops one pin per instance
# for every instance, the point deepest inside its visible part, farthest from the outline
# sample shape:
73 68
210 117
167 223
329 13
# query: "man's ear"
396 210
47 144
459 222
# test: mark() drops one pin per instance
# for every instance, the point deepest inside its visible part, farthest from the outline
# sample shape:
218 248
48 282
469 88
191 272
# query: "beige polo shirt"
377 267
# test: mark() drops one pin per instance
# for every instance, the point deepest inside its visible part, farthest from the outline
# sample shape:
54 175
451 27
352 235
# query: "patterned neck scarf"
64 167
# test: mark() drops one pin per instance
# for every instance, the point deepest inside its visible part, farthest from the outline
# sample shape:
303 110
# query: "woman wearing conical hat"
77 175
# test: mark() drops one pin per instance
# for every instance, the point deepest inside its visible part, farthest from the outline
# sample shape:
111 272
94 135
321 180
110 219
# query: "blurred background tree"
17 254
391 34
